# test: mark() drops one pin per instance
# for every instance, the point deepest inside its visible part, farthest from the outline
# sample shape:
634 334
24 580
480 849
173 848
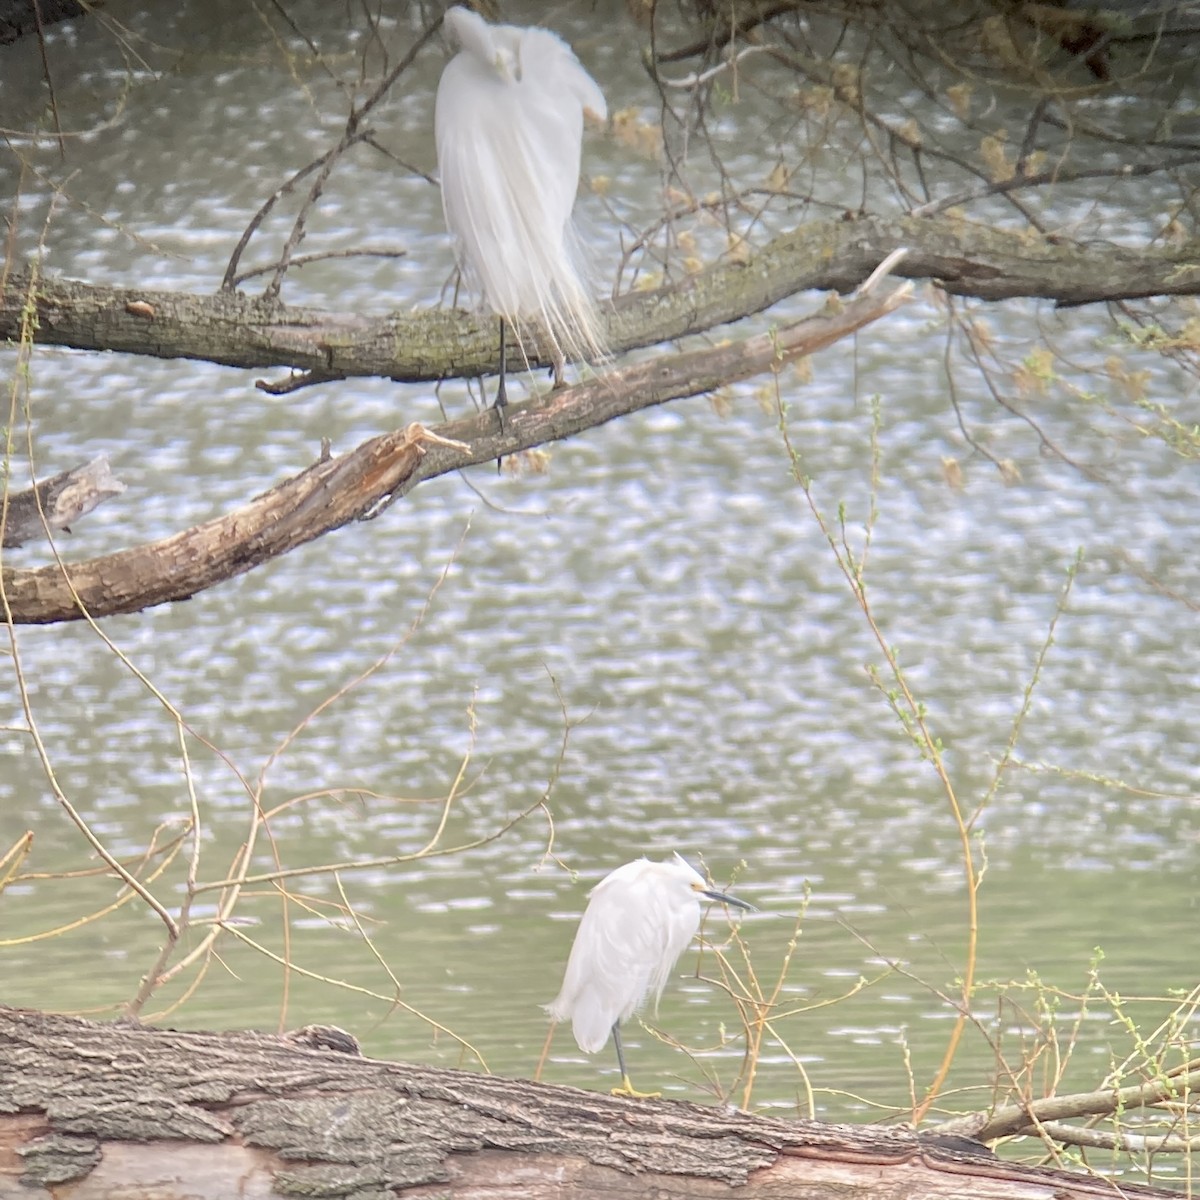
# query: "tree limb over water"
335 491
231 329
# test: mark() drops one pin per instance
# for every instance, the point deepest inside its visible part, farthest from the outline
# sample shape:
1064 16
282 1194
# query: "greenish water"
665 585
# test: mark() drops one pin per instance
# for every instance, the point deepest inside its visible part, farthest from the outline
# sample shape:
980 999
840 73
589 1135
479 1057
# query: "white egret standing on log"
638 921
508 122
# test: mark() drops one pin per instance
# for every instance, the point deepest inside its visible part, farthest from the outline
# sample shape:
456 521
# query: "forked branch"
1182 1087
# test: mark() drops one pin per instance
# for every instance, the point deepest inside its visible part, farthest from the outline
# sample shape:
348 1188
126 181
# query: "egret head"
694 882
497 45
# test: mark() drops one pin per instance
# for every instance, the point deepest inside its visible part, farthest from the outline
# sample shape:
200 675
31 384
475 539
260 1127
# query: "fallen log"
90 1110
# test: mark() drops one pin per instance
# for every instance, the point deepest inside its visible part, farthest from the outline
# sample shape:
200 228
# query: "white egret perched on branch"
638 921
508 122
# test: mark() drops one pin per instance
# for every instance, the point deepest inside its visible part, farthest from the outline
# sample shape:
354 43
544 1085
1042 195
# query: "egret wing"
631 935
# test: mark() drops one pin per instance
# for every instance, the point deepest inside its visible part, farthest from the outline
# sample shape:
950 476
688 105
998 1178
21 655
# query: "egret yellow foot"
627 1089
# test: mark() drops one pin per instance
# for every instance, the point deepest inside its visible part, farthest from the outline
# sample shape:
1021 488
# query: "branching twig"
1014 1119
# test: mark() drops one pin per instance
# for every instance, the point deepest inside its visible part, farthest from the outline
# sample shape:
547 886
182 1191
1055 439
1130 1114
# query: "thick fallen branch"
324 497
132 1111
332 492
963 257
60 500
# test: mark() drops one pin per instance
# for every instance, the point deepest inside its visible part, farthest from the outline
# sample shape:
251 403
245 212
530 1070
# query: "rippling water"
664 582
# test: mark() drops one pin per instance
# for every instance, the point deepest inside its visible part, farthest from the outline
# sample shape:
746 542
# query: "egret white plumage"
508 121
638 921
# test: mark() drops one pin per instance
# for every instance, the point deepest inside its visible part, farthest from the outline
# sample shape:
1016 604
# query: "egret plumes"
508 122
638 921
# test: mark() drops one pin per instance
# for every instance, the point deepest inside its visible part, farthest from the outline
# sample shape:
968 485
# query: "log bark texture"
962 257
91 1110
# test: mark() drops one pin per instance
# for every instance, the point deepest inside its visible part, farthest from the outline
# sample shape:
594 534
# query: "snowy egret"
508 122
638 921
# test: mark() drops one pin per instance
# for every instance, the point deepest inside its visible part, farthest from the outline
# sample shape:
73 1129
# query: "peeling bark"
57 502
323 497
90 1110
962 257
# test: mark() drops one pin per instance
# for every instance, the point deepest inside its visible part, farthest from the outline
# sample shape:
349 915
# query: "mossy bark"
960 256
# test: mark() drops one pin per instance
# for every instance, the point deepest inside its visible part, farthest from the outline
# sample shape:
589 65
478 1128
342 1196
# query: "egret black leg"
502 390
627 1088
616 1037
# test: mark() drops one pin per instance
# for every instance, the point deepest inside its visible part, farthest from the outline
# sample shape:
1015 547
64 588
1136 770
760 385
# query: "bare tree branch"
1013 1119
963 257
335 491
